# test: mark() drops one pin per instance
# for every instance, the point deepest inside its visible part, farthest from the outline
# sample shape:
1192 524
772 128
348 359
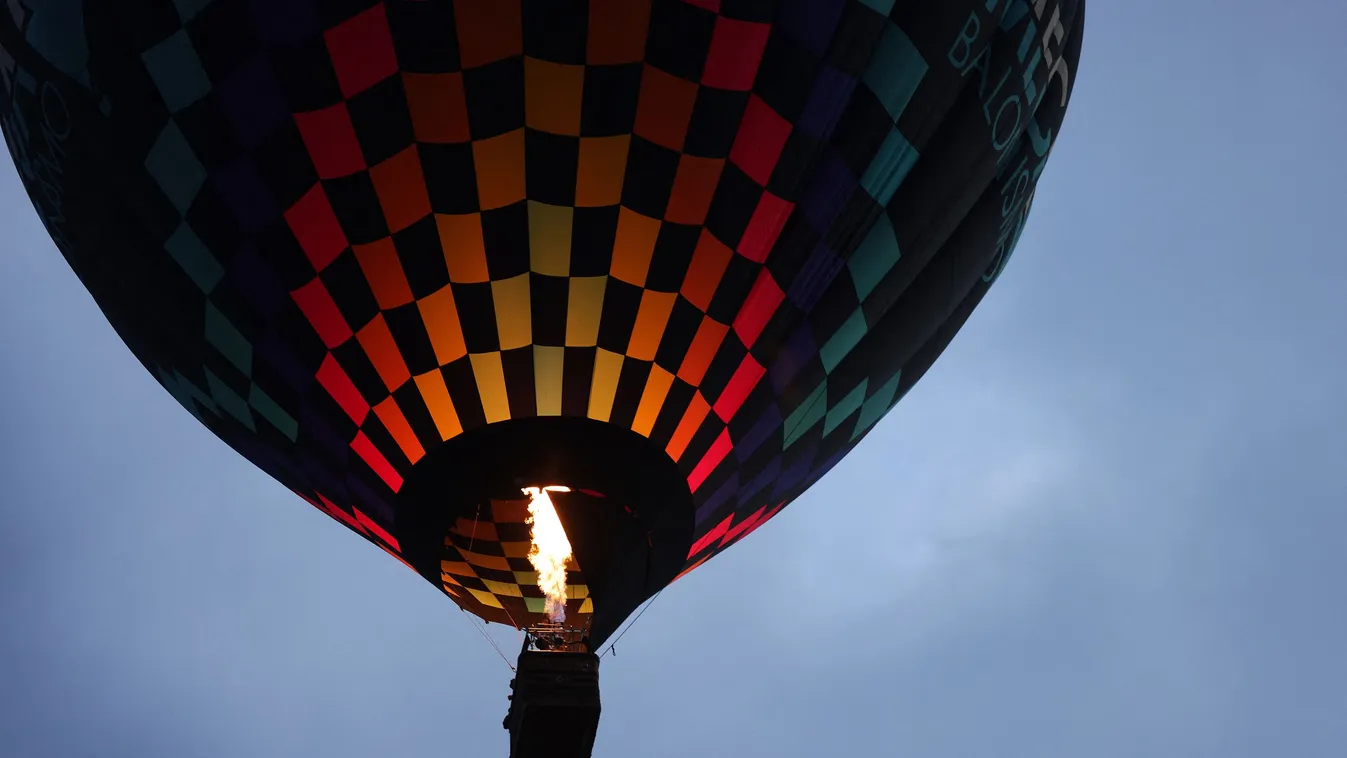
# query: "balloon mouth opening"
545 520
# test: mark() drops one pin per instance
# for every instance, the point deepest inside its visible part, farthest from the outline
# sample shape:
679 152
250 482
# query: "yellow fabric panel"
502 589
485 598
602 390
584 309
550 238
548 368
490 374
514 321
494 562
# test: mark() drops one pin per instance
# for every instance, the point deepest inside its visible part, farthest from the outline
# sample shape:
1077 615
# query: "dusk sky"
1110 522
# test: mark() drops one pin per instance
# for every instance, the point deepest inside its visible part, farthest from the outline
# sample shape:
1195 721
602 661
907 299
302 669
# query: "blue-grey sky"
1111 521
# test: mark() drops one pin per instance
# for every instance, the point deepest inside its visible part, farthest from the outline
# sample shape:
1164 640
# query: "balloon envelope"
410 257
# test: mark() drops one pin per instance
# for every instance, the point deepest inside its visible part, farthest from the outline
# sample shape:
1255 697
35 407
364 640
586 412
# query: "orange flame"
550 549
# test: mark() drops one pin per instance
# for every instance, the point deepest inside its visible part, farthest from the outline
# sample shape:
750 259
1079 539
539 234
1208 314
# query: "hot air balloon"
444 268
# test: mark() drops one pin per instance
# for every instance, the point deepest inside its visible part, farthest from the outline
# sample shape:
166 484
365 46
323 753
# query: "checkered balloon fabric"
346 233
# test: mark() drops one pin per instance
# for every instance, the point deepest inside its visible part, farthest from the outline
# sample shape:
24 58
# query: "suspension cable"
612 644
473 538
476 623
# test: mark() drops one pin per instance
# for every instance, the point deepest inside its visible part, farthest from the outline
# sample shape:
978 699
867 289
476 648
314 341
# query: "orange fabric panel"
552 94
440 315
488 31
633 246
396 424
464 248
601 170
383 271
652 400
438 110
383 353
499 162
694 186
457 568
651 319
664 108
509 511
401 188
617 31
692 421
435 394
702 351
475 529
709 262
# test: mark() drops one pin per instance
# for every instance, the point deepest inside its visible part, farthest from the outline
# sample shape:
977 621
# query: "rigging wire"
612 644
476 623
473 538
